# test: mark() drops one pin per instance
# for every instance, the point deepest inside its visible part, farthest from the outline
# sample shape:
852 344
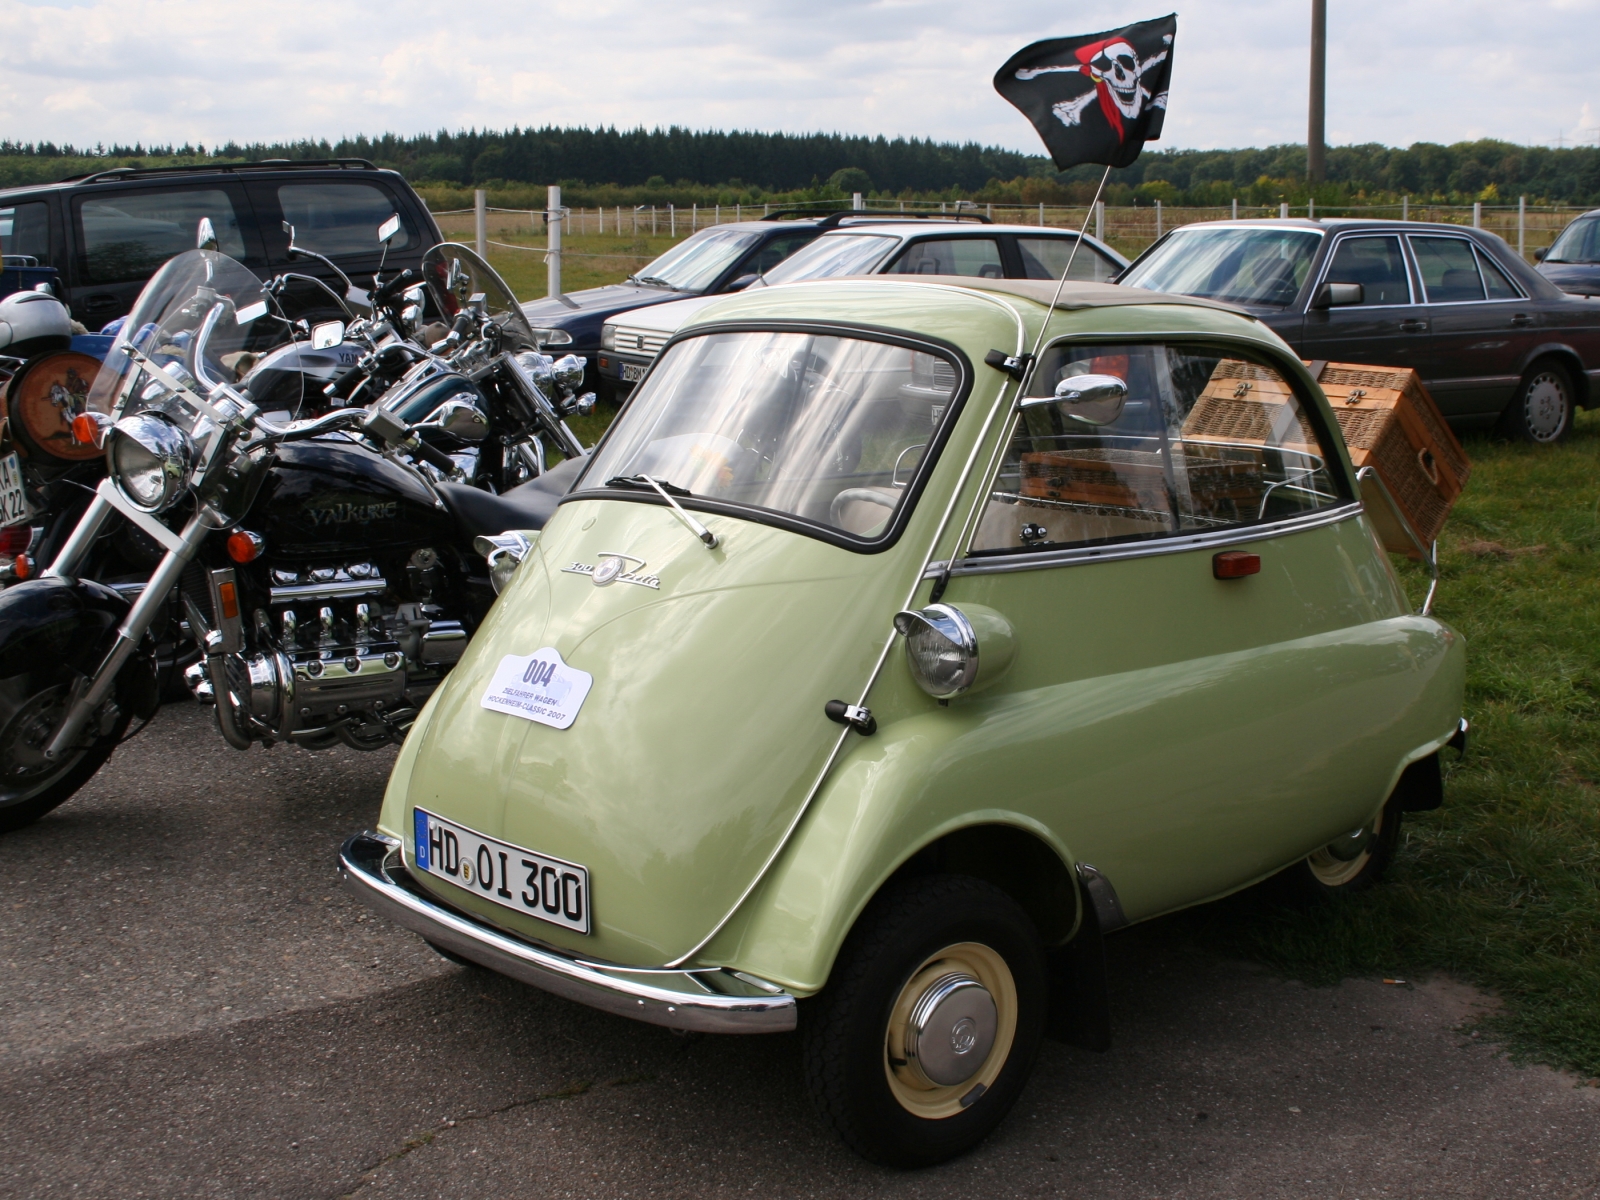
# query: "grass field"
1501 887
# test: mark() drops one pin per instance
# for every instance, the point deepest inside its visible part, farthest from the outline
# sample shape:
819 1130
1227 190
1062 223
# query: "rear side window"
1377 264
341 218
127 235
1202 440
1046 258
25 233
975 257
773 253
1449 269
1495 281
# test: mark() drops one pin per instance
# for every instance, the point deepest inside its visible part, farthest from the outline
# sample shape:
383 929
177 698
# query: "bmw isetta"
874 670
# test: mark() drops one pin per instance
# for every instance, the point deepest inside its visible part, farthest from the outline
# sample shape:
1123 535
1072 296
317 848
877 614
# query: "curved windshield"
454 274
1578 243
203 318
828 429
1264 266
835 254
693 265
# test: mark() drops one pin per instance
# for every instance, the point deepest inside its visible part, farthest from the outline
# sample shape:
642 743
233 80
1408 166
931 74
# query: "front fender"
890 797
47 624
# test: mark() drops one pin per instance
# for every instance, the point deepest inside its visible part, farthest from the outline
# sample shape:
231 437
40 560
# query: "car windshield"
1578 243
835 254
824 428
694 265
1239 266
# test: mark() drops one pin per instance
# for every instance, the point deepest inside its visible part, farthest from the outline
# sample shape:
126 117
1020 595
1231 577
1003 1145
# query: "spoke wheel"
1543 408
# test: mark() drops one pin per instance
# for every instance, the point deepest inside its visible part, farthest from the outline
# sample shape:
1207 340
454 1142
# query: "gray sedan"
1494 341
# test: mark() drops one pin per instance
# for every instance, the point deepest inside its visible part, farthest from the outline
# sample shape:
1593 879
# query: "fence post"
1158 220
1283 210
1236 208
1100 220
652 220
480 220
1311 209
1405 207
766 209
694 217
1477 214
672 222
552 259
855 201
1522 226
738 211
1041 213
717 218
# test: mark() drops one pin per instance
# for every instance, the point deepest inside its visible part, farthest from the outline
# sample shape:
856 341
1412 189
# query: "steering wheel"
865 495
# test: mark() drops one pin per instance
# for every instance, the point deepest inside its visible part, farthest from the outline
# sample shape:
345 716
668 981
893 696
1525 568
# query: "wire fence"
1130 229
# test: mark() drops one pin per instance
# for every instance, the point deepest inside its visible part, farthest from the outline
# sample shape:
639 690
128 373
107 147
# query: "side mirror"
1087 399
1540 254
1338 295
744 281
205 237
504 551
388 229
327 335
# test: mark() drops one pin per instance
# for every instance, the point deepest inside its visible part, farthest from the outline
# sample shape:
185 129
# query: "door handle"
1413 325
1521 319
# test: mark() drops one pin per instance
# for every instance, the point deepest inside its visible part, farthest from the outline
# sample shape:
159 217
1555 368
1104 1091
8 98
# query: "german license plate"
14 508
521 880
633 372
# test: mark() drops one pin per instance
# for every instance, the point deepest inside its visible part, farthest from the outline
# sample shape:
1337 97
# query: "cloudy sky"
1399 71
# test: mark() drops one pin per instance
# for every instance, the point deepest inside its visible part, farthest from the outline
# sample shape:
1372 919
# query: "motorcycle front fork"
89 693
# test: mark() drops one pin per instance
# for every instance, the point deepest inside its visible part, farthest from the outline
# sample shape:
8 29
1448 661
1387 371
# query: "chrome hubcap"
951 1029
1352 845
1545 406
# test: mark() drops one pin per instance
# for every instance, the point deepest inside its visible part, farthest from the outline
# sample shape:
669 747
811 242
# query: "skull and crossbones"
1117 71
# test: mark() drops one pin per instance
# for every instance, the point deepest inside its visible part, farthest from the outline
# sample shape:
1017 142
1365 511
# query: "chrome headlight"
552 337
151 460
952 651
569 372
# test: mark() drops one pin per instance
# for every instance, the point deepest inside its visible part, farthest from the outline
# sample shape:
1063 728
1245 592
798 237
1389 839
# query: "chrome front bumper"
713 1000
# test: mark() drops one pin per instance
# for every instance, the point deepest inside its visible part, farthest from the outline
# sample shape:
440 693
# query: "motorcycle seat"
526 506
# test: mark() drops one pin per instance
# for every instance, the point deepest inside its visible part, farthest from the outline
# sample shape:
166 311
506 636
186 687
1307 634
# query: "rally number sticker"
538 687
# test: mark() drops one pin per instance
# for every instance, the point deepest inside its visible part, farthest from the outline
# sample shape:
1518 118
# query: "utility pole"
1316 127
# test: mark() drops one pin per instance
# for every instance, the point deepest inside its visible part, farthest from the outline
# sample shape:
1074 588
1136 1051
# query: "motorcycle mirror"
327 335
389 228
205 237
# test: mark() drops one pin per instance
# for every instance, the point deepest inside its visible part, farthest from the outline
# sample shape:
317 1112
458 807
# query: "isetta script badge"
538 687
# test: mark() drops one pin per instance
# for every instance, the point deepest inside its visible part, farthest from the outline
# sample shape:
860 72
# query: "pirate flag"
1097 98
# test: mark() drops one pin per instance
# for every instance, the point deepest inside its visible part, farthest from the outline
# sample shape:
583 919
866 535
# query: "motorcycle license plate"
14 508
633 372
522 880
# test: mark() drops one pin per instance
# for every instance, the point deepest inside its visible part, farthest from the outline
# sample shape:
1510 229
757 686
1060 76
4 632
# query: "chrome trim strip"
1430 554
1002 564
332 590
367 872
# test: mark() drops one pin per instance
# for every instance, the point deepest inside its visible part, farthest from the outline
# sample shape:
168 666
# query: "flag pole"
1061 283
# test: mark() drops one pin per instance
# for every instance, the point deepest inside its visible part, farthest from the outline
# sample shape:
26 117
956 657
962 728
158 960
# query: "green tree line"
713 166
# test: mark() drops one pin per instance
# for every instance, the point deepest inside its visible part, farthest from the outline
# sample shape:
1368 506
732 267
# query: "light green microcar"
874 670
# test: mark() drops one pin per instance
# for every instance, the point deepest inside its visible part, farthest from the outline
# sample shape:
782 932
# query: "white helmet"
33 322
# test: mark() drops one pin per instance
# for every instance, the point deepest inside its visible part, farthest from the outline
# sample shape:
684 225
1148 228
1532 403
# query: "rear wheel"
30 784
930 1022
1542 410
1349 864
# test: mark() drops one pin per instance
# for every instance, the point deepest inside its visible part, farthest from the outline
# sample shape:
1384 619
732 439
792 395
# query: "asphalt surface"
191 1008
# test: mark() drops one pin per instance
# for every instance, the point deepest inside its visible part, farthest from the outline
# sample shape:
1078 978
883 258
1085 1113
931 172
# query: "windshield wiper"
666 491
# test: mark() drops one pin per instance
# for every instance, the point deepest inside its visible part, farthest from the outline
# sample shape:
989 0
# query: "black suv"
722 258
105 234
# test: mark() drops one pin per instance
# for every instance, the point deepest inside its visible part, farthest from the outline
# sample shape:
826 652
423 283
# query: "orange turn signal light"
22 568
1235 564
87 429
228 594
244 546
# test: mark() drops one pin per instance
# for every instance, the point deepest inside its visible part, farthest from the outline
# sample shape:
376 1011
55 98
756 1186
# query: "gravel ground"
191 1007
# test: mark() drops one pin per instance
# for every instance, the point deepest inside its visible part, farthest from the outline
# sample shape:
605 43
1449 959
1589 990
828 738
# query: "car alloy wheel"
1543 409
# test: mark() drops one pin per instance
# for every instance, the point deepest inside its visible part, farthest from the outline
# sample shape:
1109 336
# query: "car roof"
177 174
1331 224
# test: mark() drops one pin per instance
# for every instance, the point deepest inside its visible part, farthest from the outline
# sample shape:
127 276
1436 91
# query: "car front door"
1481 326
1389 327
1187 732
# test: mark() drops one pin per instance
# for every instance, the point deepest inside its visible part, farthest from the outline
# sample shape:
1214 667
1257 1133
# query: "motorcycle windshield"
203 319
454 274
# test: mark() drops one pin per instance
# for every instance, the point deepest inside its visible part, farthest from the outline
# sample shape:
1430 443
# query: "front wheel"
1542 410
930 1022
30 784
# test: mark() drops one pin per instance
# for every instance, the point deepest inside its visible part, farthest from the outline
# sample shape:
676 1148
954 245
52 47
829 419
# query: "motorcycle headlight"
952 651
151 460
552 337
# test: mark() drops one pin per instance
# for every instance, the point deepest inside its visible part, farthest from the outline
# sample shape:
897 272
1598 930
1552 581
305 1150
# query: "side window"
1046 258
1449 269
25 233
975 257
127 235
774 252
1377 264
1494 279
342 218
1204 439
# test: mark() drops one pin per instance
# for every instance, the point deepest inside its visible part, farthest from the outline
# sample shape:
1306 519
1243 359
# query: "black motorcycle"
326 565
